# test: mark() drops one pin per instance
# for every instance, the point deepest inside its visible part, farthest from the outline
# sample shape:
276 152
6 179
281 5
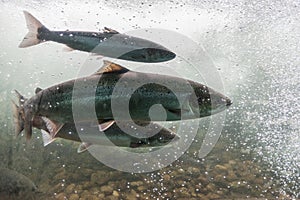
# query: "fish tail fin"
18 118
33 25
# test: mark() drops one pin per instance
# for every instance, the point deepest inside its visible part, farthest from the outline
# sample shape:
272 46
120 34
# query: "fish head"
208 102
149 55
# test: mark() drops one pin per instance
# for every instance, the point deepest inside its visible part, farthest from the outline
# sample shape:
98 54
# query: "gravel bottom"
60 173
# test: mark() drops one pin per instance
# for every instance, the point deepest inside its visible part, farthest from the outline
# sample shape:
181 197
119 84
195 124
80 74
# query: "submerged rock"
14 185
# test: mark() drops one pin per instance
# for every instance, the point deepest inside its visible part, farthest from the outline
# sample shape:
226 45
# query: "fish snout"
228 102
219 103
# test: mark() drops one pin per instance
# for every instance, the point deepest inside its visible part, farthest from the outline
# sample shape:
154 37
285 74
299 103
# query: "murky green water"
254 45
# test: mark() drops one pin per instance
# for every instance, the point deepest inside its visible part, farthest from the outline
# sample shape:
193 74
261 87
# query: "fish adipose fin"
110 67
47 139
33 25
53 127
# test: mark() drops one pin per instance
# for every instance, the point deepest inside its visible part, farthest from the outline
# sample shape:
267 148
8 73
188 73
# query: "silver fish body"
108 43
186 100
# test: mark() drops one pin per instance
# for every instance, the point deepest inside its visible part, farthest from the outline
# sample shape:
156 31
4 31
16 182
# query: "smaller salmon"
88 136
108 43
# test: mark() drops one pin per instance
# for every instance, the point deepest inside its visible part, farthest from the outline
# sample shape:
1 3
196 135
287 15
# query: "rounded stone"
74 197
116 193
106 189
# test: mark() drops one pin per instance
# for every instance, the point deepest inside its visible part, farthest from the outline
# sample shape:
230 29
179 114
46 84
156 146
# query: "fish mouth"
228 102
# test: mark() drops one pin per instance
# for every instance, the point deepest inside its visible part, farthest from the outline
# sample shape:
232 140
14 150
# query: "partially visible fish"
90 136
57 102
108 43
14 185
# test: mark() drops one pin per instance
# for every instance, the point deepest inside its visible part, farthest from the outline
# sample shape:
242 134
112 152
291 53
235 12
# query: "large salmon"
185 100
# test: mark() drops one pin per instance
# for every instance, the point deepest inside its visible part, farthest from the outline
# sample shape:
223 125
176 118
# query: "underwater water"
253 45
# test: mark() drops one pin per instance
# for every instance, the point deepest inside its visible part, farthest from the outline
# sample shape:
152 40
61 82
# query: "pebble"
166 177
74 197
60 196
116 193
132 195
221 169
70 188
99 178
136 183
141 188
106 189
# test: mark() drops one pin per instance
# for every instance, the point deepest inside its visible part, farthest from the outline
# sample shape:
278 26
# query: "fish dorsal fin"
37 90
110 67
109 30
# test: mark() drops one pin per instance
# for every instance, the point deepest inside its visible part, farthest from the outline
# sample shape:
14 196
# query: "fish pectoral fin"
47 139
52 126
106 125
109 30
110 67
83 147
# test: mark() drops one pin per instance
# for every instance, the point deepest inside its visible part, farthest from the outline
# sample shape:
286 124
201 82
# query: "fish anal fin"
83 147
106 125
111 67
109 30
